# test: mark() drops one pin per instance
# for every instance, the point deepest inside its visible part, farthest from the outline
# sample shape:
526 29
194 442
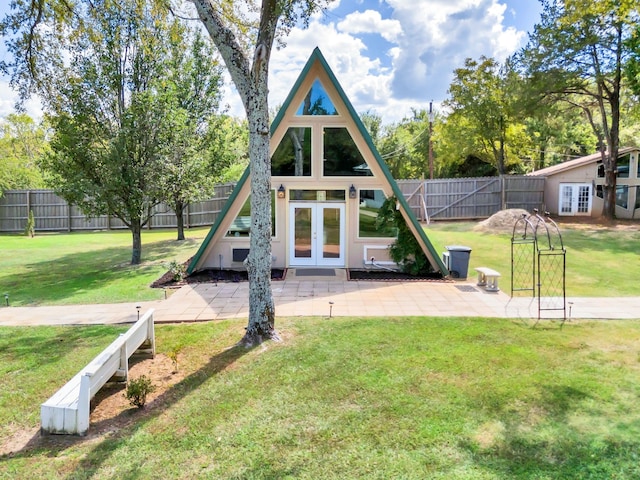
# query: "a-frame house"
328 183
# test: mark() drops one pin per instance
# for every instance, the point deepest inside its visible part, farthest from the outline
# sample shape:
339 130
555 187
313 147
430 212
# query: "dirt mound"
502 221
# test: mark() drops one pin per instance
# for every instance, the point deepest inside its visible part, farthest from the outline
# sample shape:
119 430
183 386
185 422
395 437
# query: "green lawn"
599 262
79 268
410 398
94 267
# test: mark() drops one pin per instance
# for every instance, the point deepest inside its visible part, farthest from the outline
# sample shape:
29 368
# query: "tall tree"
191 91
245 46
481 92
22 144
576 55
246 54
405 146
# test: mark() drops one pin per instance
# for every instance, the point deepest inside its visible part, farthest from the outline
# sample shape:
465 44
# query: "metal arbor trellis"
538 262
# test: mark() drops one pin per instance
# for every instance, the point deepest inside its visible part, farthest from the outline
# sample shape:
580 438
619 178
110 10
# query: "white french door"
316 236
575 199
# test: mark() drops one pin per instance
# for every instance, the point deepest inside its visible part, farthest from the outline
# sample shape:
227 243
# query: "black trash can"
458 260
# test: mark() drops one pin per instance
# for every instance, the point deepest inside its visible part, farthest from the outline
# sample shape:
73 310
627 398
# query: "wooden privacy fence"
471 198
441 199
53 213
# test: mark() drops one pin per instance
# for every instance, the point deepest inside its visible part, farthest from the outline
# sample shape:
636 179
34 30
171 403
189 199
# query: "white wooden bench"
67 411
488 279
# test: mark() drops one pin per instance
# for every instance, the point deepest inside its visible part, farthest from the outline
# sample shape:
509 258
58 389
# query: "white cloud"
370 21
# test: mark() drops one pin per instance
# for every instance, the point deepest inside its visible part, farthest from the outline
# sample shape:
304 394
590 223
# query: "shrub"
178 270
138 389
406 250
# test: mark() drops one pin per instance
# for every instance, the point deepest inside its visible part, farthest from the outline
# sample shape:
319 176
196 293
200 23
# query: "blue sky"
389 55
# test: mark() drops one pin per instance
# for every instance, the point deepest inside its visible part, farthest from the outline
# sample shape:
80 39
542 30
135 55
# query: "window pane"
241 225
623 166
370 203
317 195
293 155
622 196
317 102
637 198
341 155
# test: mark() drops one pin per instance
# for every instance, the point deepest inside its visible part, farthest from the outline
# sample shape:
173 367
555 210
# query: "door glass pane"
331 232
303 232
584 195
566 197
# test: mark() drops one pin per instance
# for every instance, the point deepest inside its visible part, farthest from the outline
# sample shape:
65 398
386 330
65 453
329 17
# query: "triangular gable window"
317 102
342 158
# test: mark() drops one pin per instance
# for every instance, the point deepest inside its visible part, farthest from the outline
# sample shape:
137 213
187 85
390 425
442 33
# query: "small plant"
138 389
30 228
178 270
173 355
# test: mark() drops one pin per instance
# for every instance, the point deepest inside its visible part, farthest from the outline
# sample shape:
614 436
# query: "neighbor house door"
575 199
317 234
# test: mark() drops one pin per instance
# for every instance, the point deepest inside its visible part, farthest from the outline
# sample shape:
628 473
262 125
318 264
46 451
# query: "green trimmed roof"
316 56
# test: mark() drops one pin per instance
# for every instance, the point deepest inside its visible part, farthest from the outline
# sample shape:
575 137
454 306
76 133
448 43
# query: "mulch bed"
386 275
212 276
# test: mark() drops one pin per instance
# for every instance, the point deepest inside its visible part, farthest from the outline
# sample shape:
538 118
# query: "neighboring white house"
576 187
327 183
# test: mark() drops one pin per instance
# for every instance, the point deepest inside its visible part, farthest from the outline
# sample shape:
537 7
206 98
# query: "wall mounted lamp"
352 191
281 191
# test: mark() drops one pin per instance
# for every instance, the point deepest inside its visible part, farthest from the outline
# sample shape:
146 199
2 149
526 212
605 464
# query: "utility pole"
430 141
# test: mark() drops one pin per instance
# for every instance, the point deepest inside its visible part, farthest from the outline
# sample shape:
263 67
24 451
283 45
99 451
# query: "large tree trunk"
136 234
251 81
261 324
180 219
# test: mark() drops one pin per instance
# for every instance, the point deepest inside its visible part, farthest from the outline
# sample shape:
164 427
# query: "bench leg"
492 284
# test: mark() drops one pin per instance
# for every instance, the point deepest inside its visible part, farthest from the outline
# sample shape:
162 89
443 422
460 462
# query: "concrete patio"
302 295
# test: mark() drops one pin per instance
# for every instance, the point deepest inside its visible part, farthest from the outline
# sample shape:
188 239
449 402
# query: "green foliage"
30 228
173 354
405 146
405 250
22 144
138 389
178 270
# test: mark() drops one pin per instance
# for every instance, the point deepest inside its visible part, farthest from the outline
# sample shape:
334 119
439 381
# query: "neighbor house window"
368 224
622 196
241 225
600 170
342 158
293 155
623 166
637 198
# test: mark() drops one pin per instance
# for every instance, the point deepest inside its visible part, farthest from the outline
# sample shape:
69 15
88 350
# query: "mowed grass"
599 262
410 398
86 268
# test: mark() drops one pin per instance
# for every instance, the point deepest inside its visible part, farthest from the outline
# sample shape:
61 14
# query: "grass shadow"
131 419
562 452
64 277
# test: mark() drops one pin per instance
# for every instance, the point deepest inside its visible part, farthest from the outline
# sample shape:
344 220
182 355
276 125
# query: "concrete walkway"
325 296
